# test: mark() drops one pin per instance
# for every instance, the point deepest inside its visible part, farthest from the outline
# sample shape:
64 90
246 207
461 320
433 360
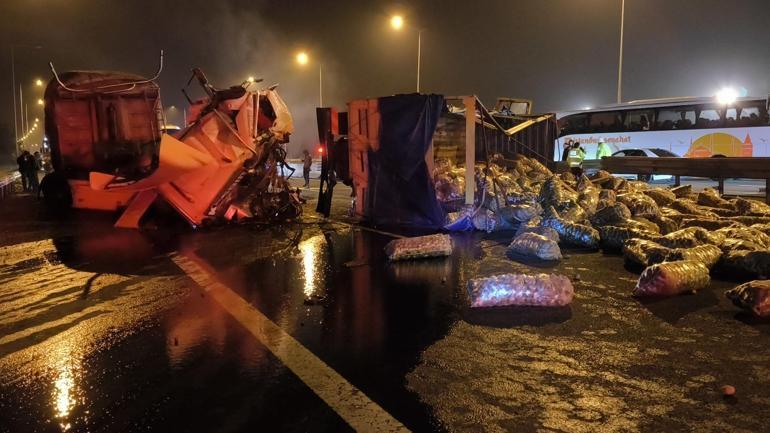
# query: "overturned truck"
109 150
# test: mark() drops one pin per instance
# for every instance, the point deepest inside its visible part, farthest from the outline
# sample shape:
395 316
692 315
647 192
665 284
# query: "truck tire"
56 191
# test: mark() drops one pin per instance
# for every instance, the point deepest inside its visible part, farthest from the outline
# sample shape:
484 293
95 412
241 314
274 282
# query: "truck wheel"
56 191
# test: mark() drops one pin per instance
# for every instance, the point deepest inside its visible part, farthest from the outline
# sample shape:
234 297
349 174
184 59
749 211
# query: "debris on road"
677 235
753 296
535 245
672 278
420 247
541 290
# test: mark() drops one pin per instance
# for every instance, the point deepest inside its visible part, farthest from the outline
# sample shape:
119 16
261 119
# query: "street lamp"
38 82
40 102
620 57
303 59
397 23
13 86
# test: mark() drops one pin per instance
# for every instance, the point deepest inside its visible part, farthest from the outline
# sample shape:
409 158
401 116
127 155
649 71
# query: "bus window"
708 117
639 120
573 124
730 115
752 114
675 118
609 121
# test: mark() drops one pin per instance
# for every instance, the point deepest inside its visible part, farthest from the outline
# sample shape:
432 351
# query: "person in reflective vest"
603 149
575 159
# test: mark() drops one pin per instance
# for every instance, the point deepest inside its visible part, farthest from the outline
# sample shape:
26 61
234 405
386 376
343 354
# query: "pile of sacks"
678 236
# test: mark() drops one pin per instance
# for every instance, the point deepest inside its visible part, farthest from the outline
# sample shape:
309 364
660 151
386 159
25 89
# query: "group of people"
29 166
574 154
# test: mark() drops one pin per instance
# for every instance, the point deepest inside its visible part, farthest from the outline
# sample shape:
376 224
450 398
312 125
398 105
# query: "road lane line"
346 400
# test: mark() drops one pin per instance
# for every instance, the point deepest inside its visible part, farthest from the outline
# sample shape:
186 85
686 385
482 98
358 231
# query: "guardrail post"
767 191
721 186
677 180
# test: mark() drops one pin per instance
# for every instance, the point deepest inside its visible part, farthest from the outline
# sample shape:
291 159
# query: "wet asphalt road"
101 331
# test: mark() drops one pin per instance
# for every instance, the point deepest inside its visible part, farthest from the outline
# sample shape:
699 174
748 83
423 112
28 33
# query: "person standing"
32 168
603 149
22 163
575 159
307 162
567 147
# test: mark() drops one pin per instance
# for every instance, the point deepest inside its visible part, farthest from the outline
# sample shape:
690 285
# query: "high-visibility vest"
603 150
574 158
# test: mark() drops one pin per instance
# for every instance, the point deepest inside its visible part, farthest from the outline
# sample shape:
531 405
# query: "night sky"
561 53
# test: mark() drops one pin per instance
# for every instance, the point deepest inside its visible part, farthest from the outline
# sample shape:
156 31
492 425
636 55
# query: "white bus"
686 127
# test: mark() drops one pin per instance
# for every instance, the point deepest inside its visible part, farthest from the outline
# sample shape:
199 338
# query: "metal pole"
470 148
13 90
26 116
620 60
419 52
21 111
320 86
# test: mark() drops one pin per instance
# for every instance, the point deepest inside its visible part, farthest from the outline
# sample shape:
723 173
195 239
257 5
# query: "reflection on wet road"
101 330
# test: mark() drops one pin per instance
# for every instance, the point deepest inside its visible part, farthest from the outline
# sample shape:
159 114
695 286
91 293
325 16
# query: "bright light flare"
38 82
397 22
39 102
302 58
251 79
727 95
320 149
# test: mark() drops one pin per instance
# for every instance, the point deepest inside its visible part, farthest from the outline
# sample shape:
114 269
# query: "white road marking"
346 400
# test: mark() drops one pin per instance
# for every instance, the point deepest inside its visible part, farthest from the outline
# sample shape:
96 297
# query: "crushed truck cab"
106 132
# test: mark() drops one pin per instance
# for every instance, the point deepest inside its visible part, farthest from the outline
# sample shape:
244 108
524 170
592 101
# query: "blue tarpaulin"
401 190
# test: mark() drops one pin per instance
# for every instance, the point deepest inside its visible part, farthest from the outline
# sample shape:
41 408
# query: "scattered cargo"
541 290
535 245
421 247
753 296
677 235
672 278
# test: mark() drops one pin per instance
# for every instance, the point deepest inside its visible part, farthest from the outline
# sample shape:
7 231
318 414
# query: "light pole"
620 57
13 89
303 59
397 23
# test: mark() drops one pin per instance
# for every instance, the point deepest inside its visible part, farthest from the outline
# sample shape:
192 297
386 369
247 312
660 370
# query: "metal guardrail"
714 168
6 184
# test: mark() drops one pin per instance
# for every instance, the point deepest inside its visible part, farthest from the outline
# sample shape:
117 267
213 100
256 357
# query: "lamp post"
303 59
620 57
397 23
13 89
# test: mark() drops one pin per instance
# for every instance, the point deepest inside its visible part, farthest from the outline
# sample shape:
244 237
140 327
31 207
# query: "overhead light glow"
397 21
251 79
39 102
38 82
727 95
302 58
